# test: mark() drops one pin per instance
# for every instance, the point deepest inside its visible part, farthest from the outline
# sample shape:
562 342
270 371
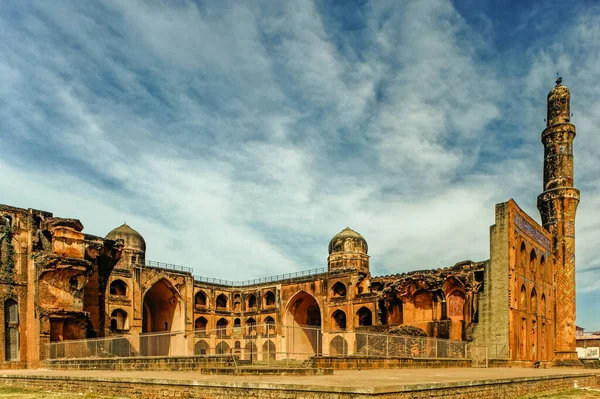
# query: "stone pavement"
350 380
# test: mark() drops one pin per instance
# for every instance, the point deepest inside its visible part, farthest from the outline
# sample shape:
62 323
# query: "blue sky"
238 140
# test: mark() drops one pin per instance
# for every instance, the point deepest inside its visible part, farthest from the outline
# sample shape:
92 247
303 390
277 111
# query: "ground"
582 393
15 393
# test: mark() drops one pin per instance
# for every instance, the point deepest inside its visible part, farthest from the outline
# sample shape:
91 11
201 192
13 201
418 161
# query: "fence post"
387 346
367 340
436 348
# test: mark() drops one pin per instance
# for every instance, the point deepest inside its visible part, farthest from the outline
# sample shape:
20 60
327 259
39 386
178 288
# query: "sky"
239 137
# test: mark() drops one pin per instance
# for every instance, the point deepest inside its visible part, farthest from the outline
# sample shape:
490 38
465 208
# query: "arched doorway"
163 309
303 325
163 312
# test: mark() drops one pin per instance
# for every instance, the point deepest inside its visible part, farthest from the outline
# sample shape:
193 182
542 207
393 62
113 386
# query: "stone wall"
159 389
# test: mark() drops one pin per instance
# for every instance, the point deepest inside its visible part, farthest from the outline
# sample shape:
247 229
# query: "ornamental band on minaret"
557 206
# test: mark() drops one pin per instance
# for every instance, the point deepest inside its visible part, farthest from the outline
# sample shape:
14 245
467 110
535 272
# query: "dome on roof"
131 238
348 240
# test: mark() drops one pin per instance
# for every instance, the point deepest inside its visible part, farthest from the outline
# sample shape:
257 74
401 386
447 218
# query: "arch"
522 298
119 320
201 348
365 316
270 325
543 299
338 320
456 305
222 348
423 304
523 254
533 259
339 289
118 287
338 346
200 324
545 274
395 313
12 350
237 323
251 301
221 301
200 299
163 308
250 351
303 313
237 345
269 350
251 323
533 301
269 299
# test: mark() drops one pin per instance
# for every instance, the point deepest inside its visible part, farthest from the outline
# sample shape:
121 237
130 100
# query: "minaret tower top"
559 108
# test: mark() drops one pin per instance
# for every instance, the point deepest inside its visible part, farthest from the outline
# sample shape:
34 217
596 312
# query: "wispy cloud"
238 139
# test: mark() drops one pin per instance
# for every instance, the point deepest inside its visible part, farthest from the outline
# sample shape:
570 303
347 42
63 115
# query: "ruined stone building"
58 283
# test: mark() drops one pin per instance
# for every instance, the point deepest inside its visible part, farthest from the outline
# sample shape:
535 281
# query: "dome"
348 240
559 109
131 238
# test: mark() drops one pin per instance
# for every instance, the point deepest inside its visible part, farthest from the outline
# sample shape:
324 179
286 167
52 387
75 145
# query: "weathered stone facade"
57 283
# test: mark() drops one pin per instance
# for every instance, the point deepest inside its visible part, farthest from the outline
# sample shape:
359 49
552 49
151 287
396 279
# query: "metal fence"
267 344
270 279
168 266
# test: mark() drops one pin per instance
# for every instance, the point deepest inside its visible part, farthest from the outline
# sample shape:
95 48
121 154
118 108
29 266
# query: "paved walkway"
350 379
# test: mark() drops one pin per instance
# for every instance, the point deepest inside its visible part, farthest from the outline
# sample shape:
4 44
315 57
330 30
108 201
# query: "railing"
237 283
261 344
245 283
168 266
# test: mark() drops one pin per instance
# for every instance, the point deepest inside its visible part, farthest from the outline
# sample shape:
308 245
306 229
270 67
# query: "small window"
237 323
200 324
200 299
133 260
339 289
251 301
222 301
270 299
118 287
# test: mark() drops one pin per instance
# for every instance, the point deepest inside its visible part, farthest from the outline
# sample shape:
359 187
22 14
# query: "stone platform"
393 383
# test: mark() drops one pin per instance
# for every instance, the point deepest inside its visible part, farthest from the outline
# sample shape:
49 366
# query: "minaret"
557 205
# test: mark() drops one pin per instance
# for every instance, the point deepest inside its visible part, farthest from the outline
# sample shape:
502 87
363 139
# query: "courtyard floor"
349 379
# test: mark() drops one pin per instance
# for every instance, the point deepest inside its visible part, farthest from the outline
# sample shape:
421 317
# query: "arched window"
201 348
270 325
222 327
222 301
533 302
522 298
118 320
251 323
270 299
118 287
339 319
200 299
251 301
12 350
365 317
545 274
533 259
339 289
200 324
544 305
523 254
222 348
237 345
237 323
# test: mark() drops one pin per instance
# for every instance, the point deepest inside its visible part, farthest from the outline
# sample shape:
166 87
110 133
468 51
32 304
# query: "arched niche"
338 346
163 308
303 317
365 316
200 299
118 287
119 320
338 320
269 299
455 303
338 290
423 306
